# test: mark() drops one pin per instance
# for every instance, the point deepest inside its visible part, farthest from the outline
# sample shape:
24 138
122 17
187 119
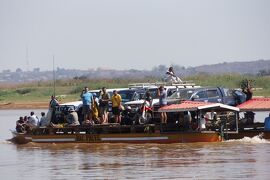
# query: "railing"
183 84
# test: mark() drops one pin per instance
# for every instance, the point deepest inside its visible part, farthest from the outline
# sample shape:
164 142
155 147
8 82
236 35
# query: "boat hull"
181 137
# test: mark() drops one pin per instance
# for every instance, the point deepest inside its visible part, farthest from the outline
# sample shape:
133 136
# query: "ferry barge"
223 124
175 132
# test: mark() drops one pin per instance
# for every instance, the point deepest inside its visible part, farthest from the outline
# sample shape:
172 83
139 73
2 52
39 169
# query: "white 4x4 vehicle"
153 89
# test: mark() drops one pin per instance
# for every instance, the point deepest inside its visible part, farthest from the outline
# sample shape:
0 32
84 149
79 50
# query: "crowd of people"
95 109
27 123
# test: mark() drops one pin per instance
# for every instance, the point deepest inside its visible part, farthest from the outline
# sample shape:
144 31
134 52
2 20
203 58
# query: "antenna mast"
53 78
27 58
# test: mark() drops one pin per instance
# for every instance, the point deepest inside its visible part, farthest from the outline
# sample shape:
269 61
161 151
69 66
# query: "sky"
131 34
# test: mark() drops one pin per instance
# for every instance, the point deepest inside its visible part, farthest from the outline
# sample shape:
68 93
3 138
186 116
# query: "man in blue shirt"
267 123
87 99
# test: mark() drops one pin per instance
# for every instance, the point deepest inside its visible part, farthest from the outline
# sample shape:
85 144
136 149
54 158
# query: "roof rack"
184 84
142 85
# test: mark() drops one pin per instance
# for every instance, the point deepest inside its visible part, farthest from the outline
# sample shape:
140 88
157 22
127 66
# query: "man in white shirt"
33 120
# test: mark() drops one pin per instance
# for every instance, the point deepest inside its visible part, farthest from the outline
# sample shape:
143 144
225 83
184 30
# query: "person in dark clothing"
247 89
148 97
52 108
20 125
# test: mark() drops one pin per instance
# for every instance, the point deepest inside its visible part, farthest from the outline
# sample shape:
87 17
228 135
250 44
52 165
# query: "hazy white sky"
125 34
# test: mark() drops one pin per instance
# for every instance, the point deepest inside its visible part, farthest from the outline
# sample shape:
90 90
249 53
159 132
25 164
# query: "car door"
214 95
170 91
228 97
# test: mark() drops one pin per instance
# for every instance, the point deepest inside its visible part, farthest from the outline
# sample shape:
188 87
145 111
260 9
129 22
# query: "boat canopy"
255 104
195 106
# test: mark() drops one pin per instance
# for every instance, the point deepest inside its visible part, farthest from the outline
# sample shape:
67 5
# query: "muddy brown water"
248 158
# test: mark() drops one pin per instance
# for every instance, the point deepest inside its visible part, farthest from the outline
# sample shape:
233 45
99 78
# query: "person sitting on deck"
202 123
20 125
172 77
267 123
187 120
33 120
72 117
44 122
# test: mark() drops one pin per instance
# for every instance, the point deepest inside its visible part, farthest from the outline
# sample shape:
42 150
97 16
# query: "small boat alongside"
248 127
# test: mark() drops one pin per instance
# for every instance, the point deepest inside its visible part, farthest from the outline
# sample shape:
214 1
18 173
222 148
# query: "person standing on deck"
148 98
104 105
267 123
116 106
95 109
52 107
43 120
87 99
162 102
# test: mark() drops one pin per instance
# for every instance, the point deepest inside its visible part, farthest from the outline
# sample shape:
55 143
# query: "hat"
94 94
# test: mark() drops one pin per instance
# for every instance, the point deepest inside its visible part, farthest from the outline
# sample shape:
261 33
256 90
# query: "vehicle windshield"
127 95
153 93
96 92
182 94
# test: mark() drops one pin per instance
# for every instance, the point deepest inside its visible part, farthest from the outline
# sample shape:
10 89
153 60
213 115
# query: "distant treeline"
70 89
258 67
264 72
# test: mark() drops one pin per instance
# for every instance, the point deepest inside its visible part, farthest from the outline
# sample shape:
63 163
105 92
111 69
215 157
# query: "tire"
147 120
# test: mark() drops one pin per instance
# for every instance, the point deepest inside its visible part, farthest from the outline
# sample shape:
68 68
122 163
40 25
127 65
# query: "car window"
182 94
126 95
212 93
153 93
170 92
136 96
201 94
227 92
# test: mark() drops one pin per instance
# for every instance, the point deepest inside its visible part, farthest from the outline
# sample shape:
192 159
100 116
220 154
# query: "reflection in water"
121 161
240 159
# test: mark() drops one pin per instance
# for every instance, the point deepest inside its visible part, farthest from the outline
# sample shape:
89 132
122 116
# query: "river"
248 158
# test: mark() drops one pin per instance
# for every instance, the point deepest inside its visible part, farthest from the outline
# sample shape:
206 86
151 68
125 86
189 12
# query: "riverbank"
24 105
